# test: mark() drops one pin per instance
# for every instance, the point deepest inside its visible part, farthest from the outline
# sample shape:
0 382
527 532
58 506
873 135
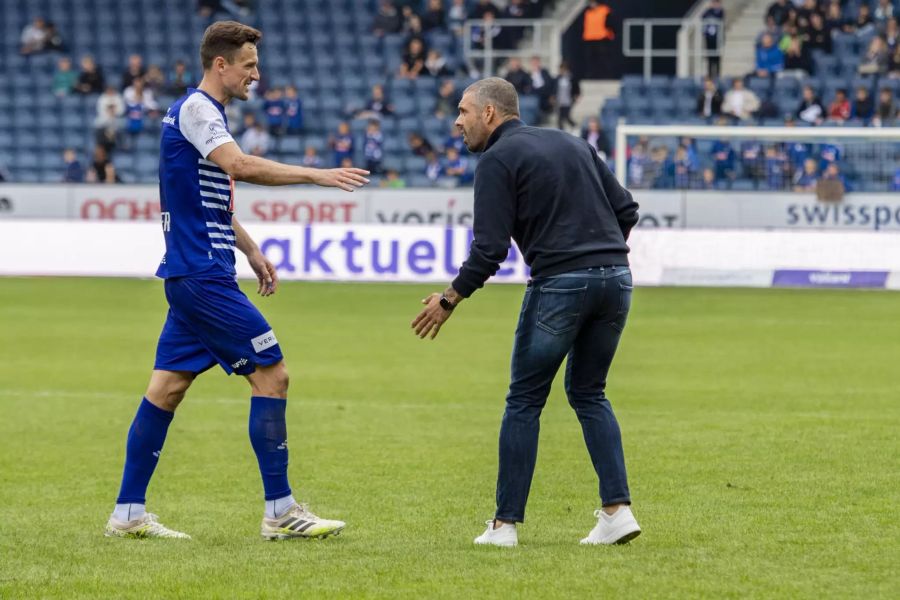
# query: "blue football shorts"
212 321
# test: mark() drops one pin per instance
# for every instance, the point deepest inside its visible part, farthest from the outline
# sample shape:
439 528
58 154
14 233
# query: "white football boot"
298 522
148 526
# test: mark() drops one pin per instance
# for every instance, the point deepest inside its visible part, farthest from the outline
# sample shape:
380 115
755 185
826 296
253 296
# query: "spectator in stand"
418 144
90 80
139 102
778 11
457 166
54 40
886 111
388 20
776 167
447 100
101 169
740 102
436 65
433 16
73 171
839 109
511 36
542 83
482 8
752 159
457 16
567 92
863 105
65 79
293 110
818 37
34 37
713 22
378 105
834 19
179 79
638 167
769 58
684 170
433 167
596 138
412 25
707 180
517 77
811 109
480 33
723 159
891 35
806 178
807 9
455 140
108 122
374 147
883 13
311 158
797 59
863 24
833 173
709 102
393 180
154 80
273 106
894 64
341 143
413 60
135 69
876 59
255 139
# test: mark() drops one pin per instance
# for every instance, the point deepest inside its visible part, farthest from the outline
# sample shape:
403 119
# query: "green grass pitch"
760 426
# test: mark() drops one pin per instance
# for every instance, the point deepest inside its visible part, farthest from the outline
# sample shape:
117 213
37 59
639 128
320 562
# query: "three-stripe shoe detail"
299 522
300 525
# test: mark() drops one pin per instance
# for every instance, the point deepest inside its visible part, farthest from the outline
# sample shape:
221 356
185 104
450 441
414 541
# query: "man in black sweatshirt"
548 191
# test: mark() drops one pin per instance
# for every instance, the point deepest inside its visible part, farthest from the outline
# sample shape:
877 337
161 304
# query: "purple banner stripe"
830 279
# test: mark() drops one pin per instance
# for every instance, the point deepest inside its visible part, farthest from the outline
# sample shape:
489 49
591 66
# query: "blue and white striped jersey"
196 196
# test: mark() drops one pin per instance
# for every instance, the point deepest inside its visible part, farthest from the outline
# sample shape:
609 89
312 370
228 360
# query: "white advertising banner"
396 253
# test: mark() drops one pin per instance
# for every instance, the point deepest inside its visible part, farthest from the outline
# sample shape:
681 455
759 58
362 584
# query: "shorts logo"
261 342
240 363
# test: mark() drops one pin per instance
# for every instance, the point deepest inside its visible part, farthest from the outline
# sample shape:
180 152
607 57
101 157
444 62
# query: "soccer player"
550 192
210 321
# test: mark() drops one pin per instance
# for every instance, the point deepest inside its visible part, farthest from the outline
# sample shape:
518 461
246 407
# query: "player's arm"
263 267
261 171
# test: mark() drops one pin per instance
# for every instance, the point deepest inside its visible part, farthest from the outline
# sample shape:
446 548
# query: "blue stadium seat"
404 106
415 164
290 143
685 86
407 125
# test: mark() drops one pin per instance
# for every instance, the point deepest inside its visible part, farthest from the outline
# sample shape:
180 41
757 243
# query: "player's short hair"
225 39
497 92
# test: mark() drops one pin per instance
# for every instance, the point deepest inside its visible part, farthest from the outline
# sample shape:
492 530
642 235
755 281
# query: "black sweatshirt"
551 193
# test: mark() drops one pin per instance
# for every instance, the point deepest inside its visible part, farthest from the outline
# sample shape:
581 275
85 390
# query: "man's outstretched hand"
431 318
347 178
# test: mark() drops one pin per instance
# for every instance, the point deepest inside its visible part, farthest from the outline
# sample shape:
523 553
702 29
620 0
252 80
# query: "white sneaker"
147 526
505 535
298 522
619 528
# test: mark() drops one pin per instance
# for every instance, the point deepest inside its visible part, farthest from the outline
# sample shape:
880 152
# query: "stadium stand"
333 51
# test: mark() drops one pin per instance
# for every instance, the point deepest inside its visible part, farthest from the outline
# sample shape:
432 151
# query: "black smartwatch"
446 304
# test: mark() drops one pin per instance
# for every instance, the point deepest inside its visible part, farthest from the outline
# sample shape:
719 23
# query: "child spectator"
74 172
776 164
65 78
433 167
179 79
455 140
684 172
90 80
886 111
255 139
806 178
839 110
393 180
342 143
139 100
723 160
311 158
863 105
374 147
273 106
457 166
293 110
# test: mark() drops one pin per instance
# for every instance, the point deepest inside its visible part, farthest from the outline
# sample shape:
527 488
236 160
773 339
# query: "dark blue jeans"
580 314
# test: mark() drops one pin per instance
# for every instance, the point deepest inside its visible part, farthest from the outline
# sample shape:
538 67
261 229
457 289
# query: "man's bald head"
496 92
486 105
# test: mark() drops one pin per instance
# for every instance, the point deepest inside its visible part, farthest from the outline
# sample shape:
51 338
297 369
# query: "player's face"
238 75
471 123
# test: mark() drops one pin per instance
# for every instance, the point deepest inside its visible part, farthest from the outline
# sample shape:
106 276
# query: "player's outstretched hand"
431 318
348 179
265 273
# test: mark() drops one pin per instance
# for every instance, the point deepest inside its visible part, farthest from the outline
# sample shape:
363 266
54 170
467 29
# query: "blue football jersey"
196 196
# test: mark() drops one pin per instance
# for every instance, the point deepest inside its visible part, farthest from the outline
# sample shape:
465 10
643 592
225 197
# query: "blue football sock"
145 442
268 436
